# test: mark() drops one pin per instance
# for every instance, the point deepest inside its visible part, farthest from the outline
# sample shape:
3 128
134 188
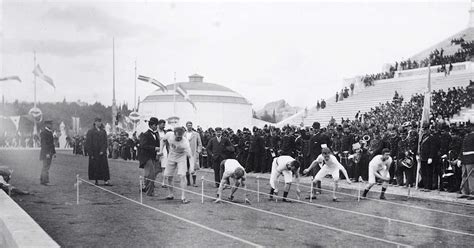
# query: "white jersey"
281 163
230 166
179 150
332 163
377 165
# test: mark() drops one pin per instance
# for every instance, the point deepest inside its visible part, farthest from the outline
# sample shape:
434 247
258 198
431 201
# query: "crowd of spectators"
436 57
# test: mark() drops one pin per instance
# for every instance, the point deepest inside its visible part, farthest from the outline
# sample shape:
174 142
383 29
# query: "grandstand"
405 82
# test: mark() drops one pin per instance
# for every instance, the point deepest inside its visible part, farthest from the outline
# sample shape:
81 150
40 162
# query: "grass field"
103 219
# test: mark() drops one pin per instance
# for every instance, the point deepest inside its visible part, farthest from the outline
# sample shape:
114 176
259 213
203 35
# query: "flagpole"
135 95
174 96
34 81
114 107
423 114
35 131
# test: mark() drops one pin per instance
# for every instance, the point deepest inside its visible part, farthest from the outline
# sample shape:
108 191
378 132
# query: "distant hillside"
282 110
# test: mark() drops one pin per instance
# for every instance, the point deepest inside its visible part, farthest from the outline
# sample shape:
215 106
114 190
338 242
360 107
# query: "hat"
218 129
161 121
97 119
153 121
316 125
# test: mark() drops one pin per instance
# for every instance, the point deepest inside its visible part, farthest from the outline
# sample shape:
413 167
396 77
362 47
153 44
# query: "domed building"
214 105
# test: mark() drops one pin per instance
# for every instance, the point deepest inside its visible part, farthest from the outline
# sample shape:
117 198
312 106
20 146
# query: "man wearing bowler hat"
149 148
217 148
47 151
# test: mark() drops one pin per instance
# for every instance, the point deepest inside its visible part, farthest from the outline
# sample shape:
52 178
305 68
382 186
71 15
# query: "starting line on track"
79 180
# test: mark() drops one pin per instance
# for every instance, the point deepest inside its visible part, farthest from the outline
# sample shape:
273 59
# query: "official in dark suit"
217 149
149 147
47 151
427 154
96 146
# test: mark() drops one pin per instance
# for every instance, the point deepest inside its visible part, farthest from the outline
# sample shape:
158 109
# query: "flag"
425 118
153 81
16 121
39 73
17 78
75 124
182 92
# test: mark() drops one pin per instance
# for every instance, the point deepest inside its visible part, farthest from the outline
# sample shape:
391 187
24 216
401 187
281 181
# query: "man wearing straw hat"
179 152
231 168
288 167
329 166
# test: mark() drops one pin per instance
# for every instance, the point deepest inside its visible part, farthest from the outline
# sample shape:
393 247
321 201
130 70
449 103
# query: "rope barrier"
388 202
172 215
291 218
367 215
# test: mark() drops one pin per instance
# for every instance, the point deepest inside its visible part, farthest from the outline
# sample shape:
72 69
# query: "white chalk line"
389 202
287 217
365 214
175 216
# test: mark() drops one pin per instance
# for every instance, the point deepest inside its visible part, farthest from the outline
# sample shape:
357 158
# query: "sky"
266 51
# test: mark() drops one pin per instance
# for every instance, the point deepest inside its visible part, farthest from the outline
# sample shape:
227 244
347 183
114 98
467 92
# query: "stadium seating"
366 98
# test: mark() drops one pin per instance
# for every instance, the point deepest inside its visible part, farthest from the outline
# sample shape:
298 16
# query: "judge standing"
96 145
47 151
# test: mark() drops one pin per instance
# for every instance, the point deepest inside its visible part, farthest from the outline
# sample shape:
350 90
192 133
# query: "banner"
153 81
16 121
182 92
39 73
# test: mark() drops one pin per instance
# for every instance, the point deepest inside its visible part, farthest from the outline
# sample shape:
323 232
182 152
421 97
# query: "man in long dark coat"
96 145
47 151
218 148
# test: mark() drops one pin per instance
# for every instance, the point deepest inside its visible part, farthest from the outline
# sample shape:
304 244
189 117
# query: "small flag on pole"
182 92
153 81
17 78
39 73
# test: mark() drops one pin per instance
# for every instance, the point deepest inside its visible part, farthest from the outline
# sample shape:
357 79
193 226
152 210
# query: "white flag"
16 121
17 78
185 95
39 73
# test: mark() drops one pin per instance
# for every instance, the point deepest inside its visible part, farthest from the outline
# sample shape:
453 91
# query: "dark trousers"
408 172
216 165
152 168
45 171
427 171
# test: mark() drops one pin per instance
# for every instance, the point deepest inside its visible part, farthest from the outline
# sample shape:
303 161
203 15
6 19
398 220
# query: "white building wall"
235 116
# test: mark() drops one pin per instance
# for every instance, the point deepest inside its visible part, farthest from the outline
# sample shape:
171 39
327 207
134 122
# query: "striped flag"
39 73
17 78
425 118
153 81
182 92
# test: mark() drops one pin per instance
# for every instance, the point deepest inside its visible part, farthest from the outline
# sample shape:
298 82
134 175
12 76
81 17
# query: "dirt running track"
105 220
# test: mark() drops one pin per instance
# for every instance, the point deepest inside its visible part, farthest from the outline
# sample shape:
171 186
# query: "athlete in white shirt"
288 167
179 152
329 166
379 168
231 168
